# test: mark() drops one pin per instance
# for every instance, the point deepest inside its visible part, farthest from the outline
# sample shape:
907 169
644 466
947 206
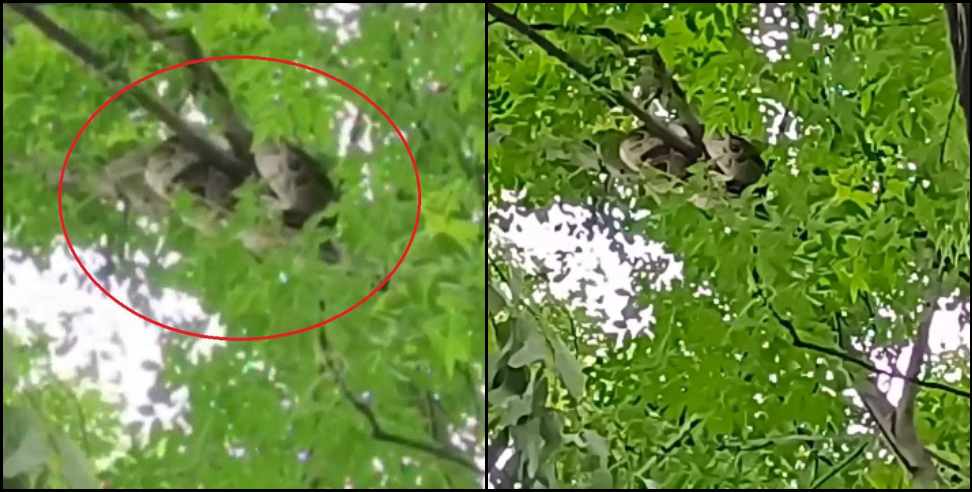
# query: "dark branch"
644 55
798 342
840 466
958 28
677 442
182 41
493 452
446 453
503 478
622 42
883 418
654 126
221 159
840 354
896 424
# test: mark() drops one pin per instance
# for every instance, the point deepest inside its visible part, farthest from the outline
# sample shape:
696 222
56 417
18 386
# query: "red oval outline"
297 331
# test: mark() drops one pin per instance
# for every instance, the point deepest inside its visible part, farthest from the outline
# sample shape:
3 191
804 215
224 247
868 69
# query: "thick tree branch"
494 449
644 57
446 453
207 149
493 452
897 425
958 29
503 478
183 42
661 131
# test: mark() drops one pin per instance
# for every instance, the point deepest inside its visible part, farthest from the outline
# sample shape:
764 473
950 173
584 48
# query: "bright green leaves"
857 200
444 213
569 9
863 199
426 67
450 335
218 23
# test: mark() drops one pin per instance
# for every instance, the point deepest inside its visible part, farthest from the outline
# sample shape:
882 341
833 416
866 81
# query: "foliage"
49 433
873 194
417 337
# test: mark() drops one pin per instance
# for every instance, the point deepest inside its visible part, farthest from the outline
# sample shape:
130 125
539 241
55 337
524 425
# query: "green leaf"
33 449
568 368
494 300
709 31
609 145
534 349
517 407
601 479
77 470
569 9
597 445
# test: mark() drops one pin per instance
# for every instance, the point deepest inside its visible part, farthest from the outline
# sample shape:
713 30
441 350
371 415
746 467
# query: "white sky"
99 330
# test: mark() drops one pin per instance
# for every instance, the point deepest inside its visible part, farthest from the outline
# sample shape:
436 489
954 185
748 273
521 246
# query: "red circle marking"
359 302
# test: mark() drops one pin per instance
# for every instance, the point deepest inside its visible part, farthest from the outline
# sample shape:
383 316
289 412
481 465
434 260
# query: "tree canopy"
388 395
768 362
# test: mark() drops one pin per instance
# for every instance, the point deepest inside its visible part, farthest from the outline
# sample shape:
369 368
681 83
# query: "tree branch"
840 354
182 41
840 466
648 57
948 129
904 429
446 453
493 452
682 436
505 475
958 29
500 478
207 149
897 425
661 131
602 32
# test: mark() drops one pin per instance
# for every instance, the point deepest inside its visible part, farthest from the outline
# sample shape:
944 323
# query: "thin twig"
442 452
506 280
677 442
840 466
602 32
800 343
